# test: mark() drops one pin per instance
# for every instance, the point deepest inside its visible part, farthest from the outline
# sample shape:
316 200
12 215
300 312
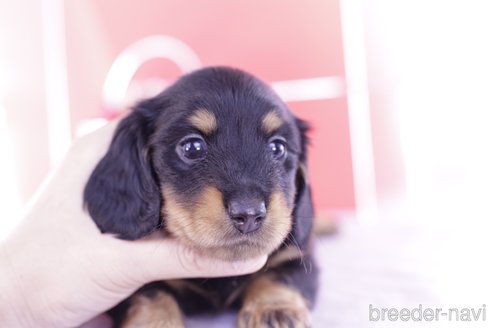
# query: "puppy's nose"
247 216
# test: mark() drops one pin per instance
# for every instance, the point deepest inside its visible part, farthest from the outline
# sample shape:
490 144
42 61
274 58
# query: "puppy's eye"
278 149
191 148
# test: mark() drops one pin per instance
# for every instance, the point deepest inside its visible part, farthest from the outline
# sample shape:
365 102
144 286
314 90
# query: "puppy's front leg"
269 303
157 311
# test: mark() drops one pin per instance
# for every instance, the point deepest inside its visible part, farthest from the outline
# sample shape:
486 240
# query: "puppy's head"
217 158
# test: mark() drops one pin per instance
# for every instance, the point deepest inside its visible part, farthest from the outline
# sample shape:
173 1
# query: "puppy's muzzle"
247 215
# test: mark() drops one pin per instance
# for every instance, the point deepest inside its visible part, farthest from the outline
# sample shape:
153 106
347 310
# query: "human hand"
58 270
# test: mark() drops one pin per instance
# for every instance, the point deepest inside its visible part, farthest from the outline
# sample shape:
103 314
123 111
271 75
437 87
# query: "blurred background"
398 93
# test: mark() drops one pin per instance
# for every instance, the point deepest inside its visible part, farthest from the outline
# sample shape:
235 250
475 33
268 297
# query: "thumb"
168 259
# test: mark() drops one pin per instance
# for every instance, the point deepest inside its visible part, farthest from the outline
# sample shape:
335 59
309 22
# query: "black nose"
247 216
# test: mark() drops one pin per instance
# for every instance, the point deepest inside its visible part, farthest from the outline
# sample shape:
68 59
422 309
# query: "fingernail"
249 265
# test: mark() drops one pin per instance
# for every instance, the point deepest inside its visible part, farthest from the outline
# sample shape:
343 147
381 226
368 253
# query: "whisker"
291 237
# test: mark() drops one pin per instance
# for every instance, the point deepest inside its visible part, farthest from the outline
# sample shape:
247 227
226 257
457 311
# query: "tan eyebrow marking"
203 120
271 122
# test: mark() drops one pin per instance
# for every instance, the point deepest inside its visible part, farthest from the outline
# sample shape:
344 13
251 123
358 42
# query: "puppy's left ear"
122 194
303 207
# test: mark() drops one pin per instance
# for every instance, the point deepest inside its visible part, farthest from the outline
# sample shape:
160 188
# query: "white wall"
432 62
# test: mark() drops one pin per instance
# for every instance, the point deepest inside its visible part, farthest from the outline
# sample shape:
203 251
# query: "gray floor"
386 266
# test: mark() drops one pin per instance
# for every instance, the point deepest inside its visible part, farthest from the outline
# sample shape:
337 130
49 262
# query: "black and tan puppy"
218 162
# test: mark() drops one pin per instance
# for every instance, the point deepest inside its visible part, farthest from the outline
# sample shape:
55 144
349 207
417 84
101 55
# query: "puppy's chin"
237 252
236 246
225 243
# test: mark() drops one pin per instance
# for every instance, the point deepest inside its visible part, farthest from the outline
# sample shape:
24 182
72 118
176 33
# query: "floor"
395 266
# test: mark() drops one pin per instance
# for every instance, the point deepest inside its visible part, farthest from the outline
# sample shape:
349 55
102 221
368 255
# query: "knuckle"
188 259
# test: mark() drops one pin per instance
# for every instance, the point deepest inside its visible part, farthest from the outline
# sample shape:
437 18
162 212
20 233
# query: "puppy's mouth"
208 227
227 243
237 246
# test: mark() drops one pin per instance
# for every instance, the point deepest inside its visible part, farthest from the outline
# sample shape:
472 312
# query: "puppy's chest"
204 295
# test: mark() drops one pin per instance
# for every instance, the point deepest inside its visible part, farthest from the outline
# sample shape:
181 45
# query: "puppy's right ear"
304 209
122 195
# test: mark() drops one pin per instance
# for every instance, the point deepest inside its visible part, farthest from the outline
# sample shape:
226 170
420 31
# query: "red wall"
275 40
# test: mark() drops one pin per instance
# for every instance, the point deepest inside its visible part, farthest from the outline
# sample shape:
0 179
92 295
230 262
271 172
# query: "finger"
195 264
169 259
97 141
101 321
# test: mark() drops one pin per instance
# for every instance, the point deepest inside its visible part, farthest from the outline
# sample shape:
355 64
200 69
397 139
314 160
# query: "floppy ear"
122 195
303 207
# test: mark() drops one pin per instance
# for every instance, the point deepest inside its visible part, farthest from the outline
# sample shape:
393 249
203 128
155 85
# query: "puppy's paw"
277 314
269 304
159 311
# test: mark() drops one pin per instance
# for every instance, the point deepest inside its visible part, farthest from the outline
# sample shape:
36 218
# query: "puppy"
219 163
